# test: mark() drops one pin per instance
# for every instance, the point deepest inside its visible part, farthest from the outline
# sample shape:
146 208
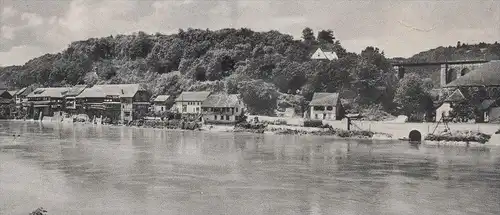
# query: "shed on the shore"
326 106
446 106
491 110
162 103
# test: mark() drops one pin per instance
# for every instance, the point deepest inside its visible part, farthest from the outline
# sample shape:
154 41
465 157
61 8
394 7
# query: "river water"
85 169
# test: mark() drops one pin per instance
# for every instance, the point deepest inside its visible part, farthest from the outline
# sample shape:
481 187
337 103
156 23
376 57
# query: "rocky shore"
459 136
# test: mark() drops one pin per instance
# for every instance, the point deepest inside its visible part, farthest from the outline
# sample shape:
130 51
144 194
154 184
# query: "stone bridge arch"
454 70
450 70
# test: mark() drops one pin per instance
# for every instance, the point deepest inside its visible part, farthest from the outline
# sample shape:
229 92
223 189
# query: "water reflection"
105 169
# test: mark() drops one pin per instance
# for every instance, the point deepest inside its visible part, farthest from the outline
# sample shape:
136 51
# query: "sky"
30 28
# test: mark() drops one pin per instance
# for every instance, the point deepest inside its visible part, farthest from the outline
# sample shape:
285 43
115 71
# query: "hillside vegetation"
268 69
259 65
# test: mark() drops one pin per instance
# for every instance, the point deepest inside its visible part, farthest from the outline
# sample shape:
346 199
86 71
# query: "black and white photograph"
249 107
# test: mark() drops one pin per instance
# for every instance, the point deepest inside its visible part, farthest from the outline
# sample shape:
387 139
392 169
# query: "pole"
348 123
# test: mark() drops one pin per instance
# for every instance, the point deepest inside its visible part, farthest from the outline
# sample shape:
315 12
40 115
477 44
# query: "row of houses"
120 103
123 103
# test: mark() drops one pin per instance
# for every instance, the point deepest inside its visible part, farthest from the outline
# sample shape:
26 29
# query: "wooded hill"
262 66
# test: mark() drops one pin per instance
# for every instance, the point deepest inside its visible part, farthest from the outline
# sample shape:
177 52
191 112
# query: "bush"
313 123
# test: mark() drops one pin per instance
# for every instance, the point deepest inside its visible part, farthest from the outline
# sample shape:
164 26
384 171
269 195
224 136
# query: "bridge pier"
444 75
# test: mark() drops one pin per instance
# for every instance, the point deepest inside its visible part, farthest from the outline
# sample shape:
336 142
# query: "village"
132 104
124 103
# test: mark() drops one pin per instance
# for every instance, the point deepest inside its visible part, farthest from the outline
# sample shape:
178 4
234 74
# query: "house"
21 96
326 106
46 101
118 102
446 106
190 102
70 99
161 103
319 54
222 108
491 110
5 104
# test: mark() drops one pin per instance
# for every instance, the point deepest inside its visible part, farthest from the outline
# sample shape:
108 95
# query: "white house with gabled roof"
190 102
319 54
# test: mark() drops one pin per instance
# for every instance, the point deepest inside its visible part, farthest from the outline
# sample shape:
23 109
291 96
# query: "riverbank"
335 131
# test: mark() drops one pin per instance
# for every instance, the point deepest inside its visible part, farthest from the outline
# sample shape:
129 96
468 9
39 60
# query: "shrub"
313 123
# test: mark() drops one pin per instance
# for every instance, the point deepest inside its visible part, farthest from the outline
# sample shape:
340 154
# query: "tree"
411 96
259 96
289 76
140 46
326 36
308 35
104 69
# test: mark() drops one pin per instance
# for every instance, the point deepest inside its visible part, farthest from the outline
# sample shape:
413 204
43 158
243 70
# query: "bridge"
450 70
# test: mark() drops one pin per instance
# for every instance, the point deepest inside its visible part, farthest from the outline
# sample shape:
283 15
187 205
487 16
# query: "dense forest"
269 69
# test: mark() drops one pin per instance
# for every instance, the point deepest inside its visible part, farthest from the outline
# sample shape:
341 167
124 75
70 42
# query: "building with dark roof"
222 108
326 106
70 98
118 102
5 104
46 101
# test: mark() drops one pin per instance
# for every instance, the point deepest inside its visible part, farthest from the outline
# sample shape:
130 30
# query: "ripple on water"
113 170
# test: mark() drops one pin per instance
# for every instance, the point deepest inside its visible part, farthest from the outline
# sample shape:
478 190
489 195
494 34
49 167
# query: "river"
85 169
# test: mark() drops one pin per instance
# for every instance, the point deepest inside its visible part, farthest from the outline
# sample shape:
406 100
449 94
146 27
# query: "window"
215 117
329 108
127 114
184 108
319 108
162 109
316 116
236 109
227 117
197 109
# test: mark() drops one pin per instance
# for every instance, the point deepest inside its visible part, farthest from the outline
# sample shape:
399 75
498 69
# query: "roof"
25 91
53 92
76 90
193 96
324 99
161 98
222 100
486 104
12 92
487 74
101 91
4 91
320 54
456 96
19 92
